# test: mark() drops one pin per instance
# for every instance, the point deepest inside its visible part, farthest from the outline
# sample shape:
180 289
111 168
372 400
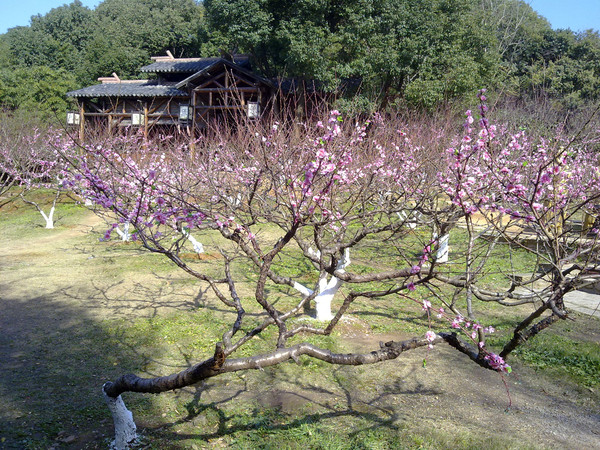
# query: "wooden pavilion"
183 93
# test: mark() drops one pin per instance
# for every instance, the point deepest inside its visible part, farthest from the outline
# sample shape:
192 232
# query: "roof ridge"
167 59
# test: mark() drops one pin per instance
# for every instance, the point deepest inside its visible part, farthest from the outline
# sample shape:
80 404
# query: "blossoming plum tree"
318 193
29 162
529 193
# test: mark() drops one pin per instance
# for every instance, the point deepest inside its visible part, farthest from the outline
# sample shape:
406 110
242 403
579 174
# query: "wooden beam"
193 116
233 89
215 107
226 88
244 79
145 120
103 114
213 80
81 123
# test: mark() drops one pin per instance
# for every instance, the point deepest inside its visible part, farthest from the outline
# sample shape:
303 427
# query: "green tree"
38 89
387 44
127 32
5 54
68 23
56 39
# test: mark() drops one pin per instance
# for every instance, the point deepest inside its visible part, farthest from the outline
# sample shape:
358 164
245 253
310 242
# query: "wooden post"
81 123
145 120
588 221
226 88
276 99
193 114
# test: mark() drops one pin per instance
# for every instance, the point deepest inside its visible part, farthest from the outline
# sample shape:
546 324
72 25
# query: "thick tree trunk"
327 289
48 218
125 429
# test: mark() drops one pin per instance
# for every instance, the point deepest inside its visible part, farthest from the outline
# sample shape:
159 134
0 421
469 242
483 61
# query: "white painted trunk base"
410 218
443 249
124 233
327 289
198 247
48 218
125 429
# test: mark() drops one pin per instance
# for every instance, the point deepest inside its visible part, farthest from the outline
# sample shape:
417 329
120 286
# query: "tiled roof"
190 65
142 88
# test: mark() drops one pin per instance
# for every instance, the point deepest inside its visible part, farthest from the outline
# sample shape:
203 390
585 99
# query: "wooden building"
183 93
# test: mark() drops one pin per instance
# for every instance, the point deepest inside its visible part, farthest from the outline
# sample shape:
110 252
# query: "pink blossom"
430 336
497 363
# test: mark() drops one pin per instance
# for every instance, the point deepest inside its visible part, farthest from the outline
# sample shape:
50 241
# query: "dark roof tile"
190 65
143 88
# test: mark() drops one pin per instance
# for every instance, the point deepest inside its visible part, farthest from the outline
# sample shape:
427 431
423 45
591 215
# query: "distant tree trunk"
198 247
124 233
48 218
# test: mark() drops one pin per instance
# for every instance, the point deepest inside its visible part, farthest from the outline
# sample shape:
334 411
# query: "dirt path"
58 286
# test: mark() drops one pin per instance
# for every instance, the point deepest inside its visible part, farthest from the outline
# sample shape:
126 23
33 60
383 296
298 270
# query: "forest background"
390 54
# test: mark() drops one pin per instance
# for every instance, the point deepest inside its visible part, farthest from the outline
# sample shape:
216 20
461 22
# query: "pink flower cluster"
497 363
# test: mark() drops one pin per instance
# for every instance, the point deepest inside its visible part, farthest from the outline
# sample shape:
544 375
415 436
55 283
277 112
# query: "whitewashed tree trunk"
124 233
443 249
235 201
411 218
198 247
125 429
48 218
327 289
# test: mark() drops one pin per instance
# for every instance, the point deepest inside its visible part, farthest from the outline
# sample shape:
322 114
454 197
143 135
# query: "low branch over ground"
217 365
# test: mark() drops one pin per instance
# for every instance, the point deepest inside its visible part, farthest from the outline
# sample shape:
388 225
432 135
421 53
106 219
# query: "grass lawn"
77 312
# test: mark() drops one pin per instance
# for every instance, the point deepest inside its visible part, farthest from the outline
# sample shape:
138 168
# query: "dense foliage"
394 52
